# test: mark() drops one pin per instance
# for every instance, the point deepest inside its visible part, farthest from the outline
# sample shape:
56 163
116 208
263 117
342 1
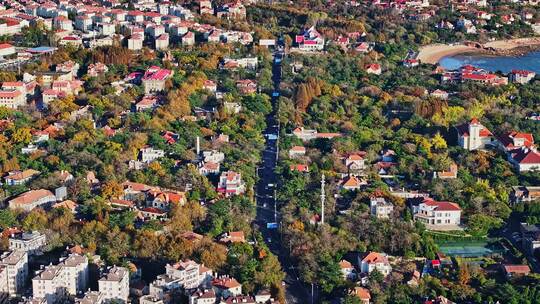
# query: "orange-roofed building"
375 260
67 204
347 270
299 168
352 183
362 293
233 237
32 199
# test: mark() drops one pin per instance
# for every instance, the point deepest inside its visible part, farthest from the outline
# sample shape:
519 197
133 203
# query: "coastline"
511 47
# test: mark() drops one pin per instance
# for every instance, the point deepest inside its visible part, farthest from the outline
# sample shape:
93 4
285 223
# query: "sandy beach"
435 52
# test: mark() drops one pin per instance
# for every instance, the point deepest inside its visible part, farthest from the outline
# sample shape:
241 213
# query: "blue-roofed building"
41 50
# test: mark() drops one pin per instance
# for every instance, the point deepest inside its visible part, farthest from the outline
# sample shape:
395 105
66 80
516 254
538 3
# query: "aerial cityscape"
269 151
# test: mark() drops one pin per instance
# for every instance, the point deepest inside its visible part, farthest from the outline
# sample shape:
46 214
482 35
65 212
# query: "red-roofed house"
374 68
513 140
438 215
154 79
297 151
513 270
299 168
310 40
153 213
375 260
163 199
226 286
525 158
473 135
246 86
233 237
521 76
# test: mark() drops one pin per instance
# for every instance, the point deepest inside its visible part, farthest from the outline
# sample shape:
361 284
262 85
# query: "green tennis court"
471 249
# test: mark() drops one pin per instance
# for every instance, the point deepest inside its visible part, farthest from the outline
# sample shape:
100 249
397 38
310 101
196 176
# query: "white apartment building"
114 285
437 215
150 154
29 242
48 284
185 274
75 268
189 273
380 208
56 282
13 272
230 183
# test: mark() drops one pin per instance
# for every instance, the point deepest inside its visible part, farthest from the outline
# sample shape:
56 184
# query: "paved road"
295 291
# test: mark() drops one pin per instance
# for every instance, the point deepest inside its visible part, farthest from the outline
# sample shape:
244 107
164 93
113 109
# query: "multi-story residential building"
162 42
207 296
189 274
232 10
13 272
310 40
355 162
213 156
30 242
380 208
15 178
245 63
226 286
154 79
12 99
188 38
48 284
375 260
75 268
96 69
437 215
32 199
473 135
135 42
83 23
114 285
14 85
521 76
230 183
149 154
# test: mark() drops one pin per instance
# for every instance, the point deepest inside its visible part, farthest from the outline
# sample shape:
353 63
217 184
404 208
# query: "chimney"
198 146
